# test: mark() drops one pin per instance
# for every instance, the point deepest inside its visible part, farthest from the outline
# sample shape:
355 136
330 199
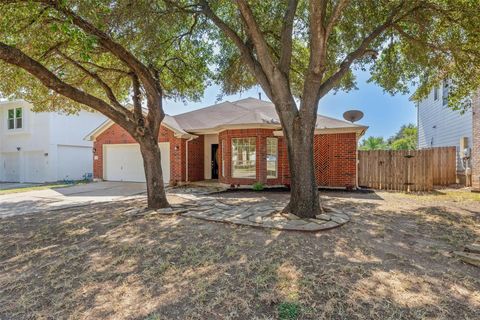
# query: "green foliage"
432 39
288 311
258 186
162 39
373 143
405 139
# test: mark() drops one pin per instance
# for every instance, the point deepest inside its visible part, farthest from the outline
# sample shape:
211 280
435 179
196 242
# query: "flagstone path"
202 203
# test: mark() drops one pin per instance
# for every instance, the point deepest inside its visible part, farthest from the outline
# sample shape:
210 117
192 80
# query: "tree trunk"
153 173
304 198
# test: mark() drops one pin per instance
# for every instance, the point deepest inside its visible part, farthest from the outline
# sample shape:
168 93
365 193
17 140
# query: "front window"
272 156
15 118
243 158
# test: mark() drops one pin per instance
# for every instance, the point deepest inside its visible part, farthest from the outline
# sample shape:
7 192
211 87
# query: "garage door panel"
74 162
125 162
11 166
35 166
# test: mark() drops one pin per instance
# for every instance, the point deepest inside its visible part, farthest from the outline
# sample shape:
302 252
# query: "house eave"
218 129
360 131
108 123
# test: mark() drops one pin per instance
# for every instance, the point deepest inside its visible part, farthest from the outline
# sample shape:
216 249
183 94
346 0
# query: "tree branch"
16 57
107 69
337 11
137 104
106 88
286 38
245 51
362 49
117 50
259 42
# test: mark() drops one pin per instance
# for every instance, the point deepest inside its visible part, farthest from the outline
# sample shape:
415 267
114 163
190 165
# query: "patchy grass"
36 187
288 311
392 261
455 195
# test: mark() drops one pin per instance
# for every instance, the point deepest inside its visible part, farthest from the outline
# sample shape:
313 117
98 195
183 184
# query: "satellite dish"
353 115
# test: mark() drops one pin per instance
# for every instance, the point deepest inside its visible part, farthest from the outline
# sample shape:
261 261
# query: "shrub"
258 186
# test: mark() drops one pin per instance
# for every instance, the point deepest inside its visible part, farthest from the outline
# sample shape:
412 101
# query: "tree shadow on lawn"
99 262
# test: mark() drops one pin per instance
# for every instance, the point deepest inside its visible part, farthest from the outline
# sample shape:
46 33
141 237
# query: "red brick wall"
335 158
117 135
196 159
476 142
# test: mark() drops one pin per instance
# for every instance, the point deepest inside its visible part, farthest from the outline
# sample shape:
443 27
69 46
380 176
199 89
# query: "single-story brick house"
238 143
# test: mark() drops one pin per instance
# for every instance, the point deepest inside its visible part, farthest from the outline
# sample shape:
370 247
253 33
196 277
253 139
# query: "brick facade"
335 156
117 135
476 142
196 159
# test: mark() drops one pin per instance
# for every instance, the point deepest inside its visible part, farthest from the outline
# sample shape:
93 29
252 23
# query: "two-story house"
441 126
44 146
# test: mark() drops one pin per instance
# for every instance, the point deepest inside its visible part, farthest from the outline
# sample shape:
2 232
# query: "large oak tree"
109 56
299 50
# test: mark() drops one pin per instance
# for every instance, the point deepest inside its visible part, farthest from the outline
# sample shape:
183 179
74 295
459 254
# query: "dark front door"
214 161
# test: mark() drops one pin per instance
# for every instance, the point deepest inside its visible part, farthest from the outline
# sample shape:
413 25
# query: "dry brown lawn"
392 261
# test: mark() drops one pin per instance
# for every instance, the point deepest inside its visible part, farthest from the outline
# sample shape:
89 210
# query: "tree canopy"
403 43
164 40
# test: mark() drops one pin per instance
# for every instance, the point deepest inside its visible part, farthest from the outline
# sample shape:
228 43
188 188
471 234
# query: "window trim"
276 157
15 119
232 169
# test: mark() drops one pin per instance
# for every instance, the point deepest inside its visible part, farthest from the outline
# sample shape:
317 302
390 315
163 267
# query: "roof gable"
248 111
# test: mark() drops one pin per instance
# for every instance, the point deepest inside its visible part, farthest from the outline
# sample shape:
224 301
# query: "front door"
215 161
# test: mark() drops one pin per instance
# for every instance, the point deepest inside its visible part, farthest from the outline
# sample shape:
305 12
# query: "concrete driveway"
61 198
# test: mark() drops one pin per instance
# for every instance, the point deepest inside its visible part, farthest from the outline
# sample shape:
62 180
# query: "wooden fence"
407 170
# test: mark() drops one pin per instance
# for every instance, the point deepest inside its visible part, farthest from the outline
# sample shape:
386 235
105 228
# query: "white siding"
440 126
34 153
74 162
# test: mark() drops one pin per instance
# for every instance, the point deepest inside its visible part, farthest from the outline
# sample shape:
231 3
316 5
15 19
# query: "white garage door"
35 166
123 162
11 167
74 162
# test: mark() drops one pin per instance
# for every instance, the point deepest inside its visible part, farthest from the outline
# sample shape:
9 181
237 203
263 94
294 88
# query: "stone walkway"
202 204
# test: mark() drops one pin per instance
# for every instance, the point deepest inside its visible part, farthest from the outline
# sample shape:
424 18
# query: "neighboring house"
237 143
441 126
476 142
44 146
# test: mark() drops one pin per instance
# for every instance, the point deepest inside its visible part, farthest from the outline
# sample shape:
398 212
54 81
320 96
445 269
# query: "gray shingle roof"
246 112
249 111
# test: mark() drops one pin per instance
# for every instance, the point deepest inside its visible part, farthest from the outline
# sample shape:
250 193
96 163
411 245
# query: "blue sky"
384 114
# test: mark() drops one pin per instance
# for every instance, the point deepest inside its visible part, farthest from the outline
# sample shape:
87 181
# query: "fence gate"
407 170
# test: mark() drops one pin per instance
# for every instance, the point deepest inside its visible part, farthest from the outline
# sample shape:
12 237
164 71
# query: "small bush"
258 186
288 311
